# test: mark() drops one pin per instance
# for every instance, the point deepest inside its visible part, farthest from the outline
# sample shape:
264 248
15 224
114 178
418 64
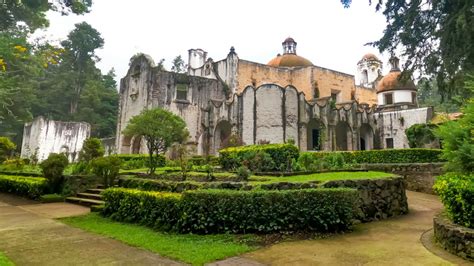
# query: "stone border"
456 239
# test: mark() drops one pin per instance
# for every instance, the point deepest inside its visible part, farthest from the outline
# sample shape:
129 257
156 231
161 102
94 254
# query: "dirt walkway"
29 236
391 242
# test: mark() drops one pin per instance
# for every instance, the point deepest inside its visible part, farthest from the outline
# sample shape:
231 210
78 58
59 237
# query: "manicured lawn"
4 261
193 249
319 177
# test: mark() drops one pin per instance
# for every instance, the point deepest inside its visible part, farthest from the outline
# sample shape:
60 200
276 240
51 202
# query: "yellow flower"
3 65
20 48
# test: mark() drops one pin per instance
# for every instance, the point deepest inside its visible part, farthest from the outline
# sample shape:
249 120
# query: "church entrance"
366 137
314 135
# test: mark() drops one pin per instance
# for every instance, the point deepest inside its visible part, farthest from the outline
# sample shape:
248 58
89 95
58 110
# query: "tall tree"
32 13
178 65
436 37
80 56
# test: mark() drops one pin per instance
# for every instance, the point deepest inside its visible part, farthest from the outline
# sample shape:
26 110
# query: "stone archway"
366 139
221 133
136 145
314 135
343 136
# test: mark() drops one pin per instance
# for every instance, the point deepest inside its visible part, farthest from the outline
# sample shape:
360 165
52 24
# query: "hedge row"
31 187
156 185
456 191
281 156
224 211
135 161
387 156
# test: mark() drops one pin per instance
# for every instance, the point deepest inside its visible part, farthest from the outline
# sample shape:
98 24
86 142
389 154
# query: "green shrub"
457 138
199 160
31 187
420 135
13 164
334 161
6 148
137 161
107 168
91 149
456 191
53 169
282 156
243 173
224 211
48 198
386 156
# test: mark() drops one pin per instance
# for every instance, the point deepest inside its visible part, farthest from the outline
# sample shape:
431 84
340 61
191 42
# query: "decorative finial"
232 50
394 61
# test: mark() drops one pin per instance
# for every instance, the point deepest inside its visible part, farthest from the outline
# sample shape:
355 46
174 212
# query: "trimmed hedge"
135 161
282 155
224 211
456 191
156 185
31 187
386 156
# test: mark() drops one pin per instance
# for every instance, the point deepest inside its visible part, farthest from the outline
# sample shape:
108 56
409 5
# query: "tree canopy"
435 37
160 129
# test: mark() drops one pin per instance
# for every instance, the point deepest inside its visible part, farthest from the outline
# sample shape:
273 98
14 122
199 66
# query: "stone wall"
378 198
418 176
43 136
454 238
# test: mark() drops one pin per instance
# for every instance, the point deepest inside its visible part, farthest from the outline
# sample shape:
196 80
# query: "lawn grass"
4 261
329 176
193 249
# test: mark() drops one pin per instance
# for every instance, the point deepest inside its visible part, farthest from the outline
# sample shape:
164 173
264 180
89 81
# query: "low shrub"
136 161
49 198
198 160
53 169
243 173
281 156
13 164
7 147
456 191
91 149
31 187
225 211
386 156
156 185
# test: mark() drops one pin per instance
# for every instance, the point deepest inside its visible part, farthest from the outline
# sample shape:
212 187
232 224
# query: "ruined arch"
314 134
222 132
343 136
136 145
366 139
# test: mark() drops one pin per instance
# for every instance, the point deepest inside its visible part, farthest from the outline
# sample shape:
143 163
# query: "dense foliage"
267 157
91 148
160 129
386 156
136 161
31 187
107 168
157 185
457 194
219 211
6 148
421 135
53 168
435 37
457 138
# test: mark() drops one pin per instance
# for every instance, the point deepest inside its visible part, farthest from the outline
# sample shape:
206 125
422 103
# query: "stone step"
89 196
94 190
84 202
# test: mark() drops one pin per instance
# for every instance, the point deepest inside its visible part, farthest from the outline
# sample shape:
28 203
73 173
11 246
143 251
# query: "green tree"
91 149
6 148
33 12
160 129
106 167
436 37
178 65
53 169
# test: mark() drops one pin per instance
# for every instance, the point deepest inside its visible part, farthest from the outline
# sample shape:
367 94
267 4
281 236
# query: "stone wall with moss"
454 238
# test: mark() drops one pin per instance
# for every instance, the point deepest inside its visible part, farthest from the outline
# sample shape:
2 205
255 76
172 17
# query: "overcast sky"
327 34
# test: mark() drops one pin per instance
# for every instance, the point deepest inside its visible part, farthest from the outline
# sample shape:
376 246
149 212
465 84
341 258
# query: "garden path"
30 236
394 241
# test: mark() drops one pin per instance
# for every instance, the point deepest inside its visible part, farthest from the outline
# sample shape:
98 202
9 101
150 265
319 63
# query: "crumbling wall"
44 136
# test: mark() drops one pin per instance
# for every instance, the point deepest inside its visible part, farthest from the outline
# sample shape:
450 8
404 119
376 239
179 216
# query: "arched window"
365 77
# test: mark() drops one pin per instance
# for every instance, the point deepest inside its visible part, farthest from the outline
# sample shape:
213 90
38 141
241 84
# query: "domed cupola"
289 57
393 90
369 69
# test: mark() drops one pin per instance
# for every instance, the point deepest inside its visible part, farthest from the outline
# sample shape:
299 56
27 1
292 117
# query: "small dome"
289 60
391 82
370 56
289 39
